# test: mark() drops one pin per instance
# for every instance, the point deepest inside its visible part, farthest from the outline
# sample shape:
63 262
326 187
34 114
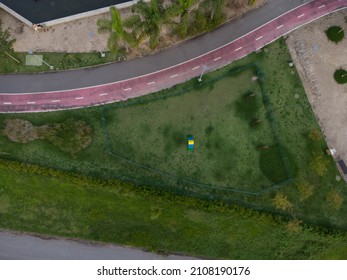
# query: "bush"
319 164
305 190
281 202
340 76
71 136
315 135
335 34
335 199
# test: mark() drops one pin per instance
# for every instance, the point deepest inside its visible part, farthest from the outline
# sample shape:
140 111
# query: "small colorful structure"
190 143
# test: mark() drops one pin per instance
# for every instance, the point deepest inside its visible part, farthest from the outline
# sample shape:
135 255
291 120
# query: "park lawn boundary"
214 188
296 121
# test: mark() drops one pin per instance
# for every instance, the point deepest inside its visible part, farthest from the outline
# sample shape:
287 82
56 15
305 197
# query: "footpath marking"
300 16
320 7
196 67
259 38
78 98
217 58
278 27
127 89
31 102
7 103
173 76
150 83
103 94
56 100
238 49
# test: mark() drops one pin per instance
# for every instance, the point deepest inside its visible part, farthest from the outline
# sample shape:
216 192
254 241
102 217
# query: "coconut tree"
147 21
117 31
214 8
181 13
6 43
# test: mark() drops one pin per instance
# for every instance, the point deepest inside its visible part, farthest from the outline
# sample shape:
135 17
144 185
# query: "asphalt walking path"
15 246
128 79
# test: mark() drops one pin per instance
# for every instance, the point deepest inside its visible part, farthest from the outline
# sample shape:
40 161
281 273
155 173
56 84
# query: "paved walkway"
15 246
120 81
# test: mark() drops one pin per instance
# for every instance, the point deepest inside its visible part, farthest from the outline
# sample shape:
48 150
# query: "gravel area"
316 59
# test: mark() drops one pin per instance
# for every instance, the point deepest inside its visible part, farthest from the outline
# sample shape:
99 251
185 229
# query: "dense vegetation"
184 18
6 44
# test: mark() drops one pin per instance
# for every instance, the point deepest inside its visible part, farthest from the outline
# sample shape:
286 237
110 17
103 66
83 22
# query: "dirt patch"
316 59
20 131
82 36
70 136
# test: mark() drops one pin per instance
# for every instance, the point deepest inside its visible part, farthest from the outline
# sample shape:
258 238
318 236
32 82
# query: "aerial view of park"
194 128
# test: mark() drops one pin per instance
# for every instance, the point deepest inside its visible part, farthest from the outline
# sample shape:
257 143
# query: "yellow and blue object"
190 143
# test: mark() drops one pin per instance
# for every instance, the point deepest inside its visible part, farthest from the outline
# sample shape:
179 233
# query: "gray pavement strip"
15 246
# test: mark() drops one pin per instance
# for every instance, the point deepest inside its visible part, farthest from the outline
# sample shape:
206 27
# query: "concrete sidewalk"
14 246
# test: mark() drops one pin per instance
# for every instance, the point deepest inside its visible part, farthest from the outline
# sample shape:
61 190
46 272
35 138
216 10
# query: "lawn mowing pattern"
163 152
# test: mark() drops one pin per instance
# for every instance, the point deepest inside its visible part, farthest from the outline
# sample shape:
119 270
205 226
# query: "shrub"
305 190
335 199
71 136
319 164
335 34
281 202
294 226
340 76
315 135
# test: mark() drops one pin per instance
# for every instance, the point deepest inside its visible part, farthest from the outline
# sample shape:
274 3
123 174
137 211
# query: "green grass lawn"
57 206
60 61
152 131
219 115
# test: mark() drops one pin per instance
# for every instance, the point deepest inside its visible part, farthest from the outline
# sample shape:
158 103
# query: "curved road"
120 81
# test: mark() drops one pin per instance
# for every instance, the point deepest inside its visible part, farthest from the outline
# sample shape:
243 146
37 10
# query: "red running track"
152 82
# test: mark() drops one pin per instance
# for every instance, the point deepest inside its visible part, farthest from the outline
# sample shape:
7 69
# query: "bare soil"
70 136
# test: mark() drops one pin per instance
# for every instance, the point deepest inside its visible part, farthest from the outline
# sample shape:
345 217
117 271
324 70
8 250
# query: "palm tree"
182 10
117 32
214 8
6 44
148 21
